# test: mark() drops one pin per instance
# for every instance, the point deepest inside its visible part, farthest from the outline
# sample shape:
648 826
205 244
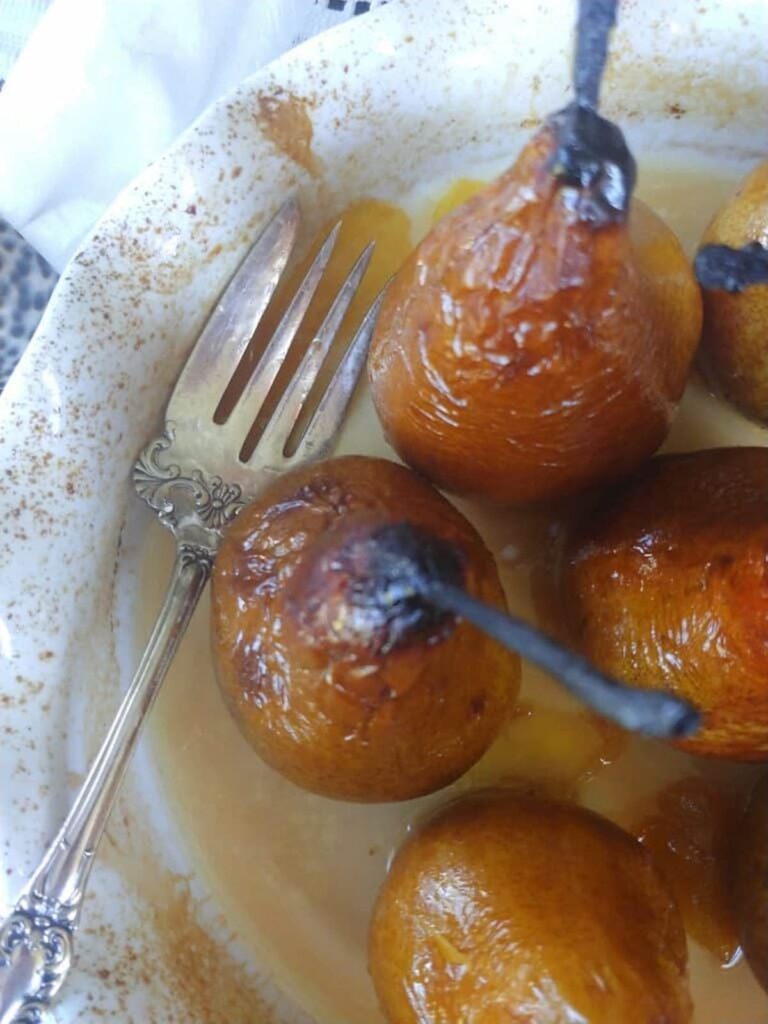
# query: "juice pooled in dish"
339 682
538 339
667 583
508 908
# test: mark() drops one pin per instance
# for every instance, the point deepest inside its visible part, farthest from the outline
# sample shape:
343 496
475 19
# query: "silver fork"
192 476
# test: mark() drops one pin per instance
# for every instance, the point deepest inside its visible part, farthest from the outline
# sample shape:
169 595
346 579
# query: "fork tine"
327 419
230 326
278 430
263 377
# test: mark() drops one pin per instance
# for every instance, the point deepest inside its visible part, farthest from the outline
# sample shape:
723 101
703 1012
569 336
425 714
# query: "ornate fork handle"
177 476
36 940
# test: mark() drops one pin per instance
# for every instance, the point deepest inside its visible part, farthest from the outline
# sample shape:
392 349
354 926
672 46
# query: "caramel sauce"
456 194
690 834
296 875
548 751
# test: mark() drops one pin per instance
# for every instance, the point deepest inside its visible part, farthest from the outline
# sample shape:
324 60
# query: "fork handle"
36 940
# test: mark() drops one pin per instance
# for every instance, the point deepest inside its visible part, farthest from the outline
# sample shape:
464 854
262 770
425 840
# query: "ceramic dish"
418 93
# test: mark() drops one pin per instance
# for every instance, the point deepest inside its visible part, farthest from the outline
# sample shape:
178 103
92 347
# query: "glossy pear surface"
735 334
523 353
667 583
311 672
508 908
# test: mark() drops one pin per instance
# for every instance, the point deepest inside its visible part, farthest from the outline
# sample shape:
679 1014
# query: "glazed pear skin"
735 334
750 881
668 589
316 693
523 354
508 908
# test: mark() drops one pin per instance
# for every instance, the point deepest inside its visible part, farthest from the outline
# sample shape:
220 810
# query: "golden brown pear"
506 908
735 335
668 587
750 881
527 350
334 678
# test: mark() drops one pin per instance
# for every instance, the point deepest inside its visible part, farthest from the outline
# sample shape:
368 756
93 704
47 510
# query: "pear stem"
720 267
595 20
647 711
406 565
591 152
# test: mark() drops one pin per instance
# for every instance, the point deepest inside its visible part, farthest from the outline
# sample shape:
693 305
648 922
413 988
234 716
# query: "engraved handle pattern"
36 940
35 955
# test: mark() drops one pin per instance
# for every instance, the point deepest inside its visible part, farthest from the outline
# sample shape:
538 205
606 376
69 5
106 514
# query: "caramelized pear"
750 881
733 270
668 587
537 340
510 908
338 676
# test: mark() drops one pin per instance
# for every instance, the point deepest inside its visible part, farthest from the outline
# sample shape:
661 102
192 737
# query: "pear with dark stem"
537 341
667 587
361 639
337 673
732 268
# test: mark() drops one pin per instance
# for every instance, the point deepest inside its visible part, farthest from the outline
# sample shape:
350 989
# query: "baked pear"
732 267
537 341
668 588
338 678
750 881
506 908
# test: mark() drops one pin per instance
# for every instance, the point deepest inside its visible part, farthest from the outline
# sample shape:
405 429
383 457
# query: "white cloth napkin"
17 19
103 86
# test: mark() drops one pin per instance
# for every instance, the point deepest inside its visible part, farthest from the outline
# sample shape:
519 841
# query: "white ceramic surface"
412 93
